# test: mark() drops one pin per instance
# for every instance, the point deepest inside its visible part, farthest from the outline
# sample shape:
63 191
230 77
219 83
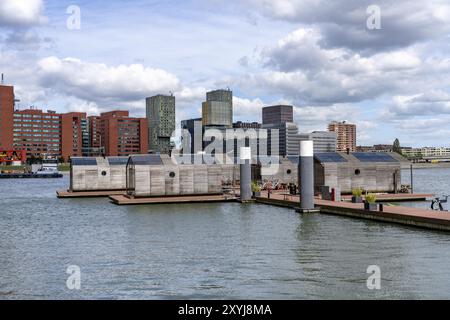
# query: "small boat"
48 169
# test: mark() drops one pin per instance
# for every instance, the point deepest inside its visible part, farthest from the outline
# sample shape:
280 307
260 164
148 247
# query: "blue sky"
317 55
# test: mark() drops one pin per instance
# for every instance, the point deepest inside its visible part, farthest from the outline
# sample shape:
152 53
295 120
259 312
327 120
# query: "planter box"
356 199
371 206
256 194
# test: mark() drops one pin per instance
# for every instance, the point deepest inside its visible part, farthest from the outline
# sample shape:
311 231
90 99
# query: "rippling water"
207 251
434 180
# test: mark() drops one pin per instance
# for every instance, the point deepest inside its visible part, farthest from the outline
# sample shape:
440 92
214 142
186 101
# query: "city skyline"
392 82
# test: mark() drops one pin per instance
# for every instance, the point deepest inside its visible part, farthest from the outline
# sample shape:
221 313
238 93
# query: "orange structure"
11 156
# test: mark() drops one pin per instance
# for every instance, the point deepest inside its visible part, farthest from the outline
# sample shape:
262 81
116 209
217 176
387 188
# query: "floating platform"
124 200
417 217
30 176
396 197
88 194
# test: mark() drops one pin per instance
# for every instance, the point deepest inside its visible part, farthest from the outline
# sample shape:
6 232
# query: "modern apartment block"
278 114
427 152
6 117
115 133
217 110
324 141
278 120
160 111
48 133
346 135
189 128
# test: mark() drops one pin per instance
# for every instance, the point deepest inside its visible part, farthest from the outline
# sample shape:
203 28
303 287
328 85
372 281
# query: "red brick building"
6 117
65 135
115 133
48 133
73 126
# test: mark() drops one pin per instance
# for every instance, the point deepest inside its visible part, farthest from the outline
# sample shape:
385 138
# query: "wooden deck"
416 217
397 197
88 194
124 200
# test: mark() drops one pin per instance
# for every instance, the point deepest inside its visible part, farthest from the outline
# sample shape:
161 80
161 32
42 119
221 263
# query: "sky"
327 58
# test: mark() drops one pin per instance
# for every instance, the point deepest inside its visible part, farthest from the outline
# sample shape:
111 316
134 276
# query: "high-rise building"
48 133
287 141
277 114
116 134
279 120
324 141
346 135
160 110
41 134
95 136
217 110
191 128
86 142
6 117
73 127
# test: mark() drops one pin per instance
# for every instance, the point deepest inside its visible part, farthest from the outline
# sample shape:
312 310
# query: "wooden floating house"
372 171
155 175
160 175
98 174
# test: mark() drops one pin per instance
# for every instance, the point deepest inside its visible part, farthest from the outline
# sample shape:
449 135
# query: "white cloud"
22 12
431 103
247 109
343 23
101 83
303 71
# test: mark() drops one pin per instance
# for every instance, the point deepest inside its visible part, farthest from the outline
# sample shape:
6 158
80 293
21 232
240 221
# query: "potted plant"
357 195
370 203
256 189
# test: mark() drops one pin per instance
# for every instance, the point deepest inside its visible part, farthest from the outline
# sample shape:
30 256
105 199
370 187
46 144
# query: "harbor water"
206 251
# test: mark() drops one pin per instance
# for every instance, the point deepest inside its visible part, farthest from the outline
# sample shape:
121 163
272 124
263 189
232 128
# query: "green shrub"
255 187
371 198
357 192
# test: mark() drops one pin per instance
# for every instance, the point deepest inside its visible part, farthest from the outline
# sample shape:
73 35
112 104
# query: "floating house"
371 171
160 175
94 174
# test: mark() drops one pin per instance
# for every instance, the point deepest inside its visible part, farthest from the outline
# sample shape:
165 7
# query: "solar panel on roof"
373 157
293 159
113 161
329 157
84 161
150 159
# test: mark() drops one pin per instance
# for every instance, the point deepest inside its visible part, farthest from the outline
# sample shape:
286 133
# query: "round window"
172 174
104 173
357 172
289 171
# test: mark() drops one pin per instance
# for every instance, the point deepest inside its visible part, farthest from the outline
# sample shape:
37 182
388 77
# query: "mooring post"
306 176
246 174
412 181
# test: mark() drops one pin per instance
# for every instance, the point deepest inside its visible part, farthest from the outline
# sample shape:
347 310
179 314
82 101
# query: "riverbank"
65 167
